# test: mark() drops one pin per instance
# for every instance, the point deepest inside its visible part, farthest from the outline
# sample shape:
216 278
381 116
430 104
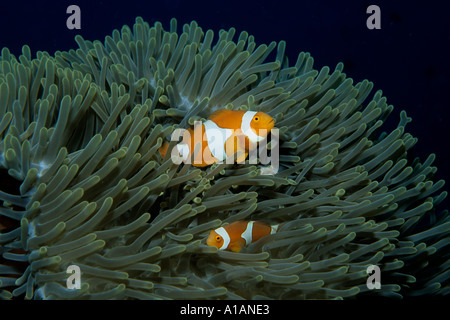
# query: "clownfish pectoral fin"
241 156
242 152
236 246
235 144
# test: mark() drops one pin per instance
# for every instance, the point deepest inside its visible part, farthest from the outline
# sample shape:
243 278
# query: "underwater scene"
224 150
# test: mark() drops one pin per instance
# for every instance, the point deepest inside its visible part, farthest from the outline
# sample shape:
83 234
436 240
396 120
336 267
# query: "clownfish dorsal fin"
225 118
219 113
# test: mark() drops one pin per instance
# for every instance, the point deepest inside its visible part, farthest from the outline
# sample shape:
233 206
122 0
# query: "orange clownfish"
222 135
238 234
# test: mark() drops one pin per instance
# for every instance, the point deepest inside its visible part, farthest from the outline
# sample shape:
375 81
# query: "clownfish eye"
218 238
256 118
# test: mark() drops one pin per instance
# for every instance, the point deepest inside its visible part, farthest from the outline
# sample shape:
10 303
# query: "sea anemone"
82 182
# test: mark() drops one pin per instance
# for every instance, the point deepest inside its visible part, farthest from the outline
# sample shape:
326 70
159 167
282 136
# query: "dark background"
408 58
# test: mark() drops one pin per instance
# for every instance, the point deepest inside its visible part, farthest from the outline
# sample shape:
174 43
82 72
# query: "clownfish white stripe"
247 235
216 138
225 133
226 238
183 150
239 234
274 229
246 128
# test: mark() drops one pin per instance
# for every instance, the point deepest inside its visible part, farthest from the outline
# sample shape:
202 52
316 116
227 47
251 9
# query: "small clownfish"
238 234
239 130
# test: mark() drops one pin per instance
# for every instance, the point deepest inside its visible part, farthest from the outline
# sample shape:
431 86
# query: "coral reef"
82 182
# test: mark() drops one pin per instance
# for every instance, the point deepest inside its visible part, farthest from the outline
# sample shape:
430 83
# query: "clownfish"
222 135
238 234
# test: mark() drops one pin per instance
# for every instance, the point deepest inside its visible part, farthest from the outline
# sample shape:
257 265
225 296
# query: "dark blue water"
408 58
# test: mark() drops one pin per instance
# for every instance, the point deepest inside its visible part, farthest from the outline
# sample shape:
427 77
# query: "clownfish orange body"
238 234
222 135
